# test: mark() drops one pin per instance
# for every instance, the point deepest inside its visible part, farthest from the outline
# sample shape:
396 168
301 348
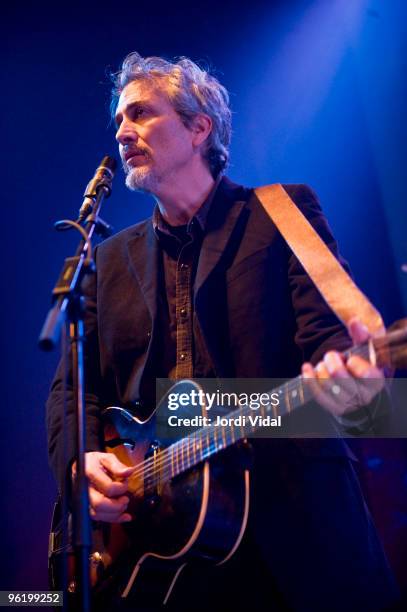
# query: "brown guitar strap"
335 285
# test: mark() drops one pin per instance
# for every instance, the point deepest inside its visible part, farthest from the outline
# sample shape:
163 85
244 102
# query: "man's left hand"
343 386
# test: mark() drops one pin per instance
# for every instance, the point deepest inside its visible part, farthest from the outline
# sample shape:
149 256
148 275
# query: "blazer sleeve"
318 328
60 425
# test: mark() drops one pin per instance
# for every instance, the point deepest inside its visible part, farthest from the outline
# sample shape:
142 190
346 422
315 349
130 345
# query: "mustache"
128 153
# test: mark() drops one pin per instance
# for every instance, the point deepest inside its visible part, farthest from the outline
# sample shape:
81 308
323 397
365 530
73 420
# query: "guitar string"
158 466
150 466
184 445
155 466
187 446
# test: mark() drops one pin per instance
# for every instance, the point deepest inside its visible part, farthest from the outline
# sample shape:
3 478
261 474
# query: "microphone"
102 180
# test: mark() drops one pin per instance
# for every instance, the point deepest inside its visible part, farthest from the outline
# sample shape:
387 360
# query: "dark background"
318 93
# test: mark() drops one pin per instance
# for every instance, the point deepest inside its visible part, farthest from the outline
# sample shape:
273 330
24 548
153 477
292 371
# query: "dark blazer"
259 313
260 317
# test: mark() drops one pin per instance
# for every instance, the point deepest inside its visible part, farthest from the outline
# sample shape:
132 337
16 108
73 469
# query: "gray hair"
191 91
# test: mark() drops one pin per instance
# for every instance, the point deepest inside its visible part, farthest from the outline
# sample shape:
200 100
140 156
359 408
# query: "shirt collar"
201 216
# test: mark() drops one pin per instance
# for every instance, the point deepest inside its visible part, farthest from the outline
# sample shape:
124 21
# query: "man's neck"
180 200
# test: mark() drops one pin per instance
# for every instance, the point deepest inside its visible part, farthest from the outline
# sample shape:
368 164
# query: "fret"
220 432
242 432
287 399
191 452
301 389
188 449
177 470
214 439
204 441
262 410
199 446
214 444
249 427
232 432
180 455
294 398
207 447
171 452
274 407
208 441
166 472
212 447
224 437
194 446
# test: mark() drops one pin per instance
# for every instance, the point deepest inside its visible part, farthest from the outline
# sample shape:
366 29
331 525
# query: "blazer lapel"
225 211
143 260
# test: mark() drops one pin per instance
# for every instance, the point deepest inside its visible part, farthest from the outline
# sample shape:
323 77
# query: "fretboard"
207 441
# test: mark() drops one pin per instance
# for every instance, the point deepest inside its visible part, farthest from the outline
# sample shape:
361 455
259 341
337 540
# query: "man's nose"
126 134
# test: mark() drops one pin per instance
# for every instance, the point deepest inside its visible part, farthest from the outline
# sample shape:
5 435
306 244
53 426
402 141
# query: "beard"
141 179
150 176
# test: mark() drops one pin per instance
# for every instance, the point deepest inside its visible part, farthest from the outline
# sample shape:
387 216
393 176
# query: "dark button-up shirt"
182 352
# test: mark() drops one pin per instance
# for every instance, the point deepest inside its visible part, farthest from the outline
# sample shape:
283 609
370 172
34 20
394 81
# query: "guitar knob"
96 567
96 560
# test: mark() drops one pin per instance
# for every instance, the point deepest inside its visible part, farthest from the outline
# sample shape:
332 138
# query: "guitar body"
187 509
198 516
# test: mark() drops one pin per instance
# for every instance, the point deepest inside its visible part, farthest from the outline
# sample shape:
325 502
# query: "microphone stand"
68 307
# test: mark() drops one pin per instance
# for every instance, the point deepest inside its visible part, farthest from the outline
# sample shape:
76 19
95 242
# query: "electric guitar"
189 497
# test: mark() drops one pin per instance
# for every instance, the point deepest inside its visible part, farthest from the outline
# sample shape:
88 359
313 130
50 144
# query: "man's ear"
201 128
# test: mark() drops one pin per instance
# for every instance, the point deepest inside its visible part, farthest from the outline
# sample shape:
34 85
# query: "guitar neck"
243 422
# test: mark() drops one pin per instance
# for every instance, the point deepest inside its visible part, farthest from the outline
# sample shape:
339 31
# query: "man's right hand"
107 487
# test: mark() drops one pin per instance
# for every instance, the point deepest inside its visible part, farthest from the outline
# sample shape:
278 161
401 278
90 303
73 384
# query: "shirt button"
183 312
184 266
182 357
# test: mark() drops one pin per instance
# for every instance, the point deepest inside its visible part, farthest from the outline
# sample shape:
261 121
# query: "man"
209 288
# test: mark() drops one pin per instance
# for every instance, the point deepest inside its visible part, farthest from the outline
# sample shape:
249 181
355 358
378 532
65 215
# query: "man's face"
154 144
